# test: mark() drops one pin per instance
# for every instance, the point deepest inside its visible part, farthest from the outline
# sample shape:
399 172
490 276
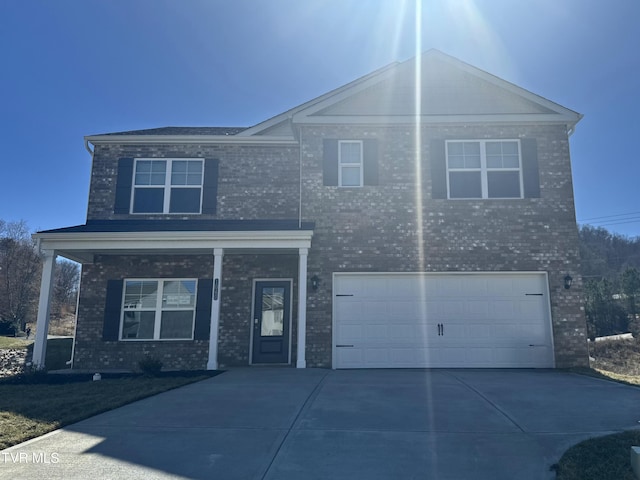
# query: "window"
350 169
484 169
167 186
158 309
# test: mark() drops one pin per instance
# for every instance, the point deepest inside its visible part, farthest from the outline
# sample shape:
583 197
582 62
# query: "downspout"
75 329
299 138
300 194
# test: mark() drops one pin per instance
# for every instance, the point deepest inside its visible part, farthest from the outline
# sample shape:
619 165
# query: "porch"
206 244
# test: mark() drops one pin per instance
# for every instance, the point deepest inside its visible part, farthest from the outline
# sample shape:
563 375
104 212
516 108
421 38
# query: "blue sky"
74 68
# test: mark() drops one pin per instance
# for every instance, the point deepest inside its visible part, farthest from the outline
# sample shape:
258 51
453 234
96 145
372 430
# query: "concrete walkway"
267 423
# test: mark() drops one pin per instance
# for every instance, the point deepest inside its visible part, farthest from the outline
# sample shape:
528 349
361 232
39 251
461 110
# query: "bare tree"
20 267
66 283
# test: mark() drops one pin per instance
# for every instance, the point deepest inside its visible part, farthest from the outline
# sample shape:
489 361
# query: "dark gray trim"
210 186
123 186
203 309
530 170
330 162
112 311
370 161
438 159
172 225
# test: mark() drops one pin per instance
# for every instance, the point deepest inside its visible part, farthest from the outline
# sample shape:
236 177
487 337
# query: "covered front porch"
216 255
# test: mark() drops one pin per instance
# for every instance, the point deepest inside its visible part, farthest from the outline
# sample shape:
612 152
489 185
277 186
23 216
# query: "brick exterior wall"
255 182
384 228
393 227
239 272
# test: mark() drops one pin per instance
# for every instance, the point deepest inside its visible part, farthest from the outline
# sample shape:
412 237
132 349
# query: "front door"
271 315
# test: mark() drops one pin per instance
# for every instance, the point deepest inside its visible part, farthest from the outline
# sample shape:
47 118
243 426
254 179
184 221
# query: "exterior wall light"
568 280
315 281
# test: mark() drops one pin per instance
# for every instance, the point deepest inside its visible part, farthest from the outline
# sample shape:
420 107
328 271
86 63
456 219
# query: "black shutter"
112 310
530 171
438 169
370 155
203 309
210 186
330 162
123 186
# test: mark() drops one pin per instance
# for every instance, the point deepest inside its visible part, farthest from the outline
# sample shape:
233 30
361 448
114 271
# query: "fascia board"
344 93
562 114
506 85
102 241
337 92
440 119
188 139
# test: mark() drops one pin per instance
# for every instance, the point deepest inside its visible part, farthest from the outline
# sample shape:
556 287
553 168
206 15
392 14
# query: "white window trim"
167 186
359 164
484 169
158 310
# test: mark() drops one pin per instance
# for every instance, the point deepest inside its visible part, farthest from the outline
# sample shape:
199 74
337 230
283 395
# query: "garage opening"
442 320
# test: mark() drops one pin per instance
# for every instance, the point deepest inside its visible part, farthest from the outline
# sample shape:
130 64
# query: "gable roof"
432 87
450 91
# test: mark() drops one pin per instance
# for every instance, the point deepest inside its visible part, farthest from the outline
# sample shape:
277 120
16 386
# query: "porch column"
302 308
212 363
44 307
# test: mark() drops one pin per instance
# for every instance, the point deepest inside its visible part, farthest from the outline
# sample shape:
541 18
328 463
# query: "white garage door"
488 320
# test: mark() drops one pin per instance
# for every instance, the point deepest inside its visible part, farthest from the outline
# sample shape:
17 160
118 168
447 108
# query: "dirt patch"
618 356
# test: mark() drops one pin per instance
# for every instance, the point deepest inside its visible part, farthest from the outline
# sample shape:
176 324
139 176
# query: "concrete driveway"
268 423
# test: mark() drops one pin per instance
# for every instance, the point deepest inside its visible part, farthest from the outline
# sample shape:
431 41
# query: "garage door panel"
377 333
406 332
395 320
350 334
406 309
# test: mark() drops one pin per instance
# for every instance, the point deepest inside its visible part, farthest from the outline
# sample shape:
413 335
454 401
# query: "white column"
302 308
44 307
212 363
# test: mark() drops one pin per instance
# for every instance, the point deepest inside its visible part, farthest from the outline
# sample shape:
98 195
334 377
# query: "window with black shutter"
350 163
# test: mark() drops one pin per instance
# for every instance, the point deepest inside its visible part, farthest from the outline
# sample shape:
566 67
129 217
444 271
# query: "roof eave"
549 119
188 139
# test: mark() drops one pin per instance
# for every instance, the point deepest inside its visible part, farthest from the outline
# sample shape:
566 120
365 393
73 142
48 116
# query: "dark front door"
271 314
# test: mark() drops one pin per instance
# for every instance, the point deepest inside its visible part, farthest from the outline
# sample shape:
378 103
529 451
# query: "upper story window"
167 186
158 309
350 163
484 169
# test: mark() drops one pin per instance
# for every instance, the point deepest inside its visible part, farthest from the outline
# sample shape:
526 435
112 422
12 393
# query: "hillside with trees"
611 273
20 270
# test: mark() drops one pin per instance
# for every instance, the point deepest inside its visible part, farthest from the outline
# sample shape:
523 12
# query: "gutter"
188 139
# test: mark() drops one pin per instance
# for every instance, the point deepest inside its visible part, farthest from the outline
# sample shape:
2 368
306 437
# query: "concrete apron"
284 423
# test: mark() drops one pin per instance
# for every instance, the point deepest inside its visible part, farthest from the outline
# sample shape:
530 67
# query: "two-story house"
420 216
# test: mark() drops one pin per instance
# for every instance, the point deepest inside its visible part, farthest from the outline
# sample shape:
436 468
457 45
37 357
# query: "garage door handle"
441 329
344 346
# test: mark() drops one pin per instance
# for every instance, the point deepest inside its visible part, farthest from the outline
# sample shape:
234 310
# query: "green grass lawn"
31 410
14 342
601 458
